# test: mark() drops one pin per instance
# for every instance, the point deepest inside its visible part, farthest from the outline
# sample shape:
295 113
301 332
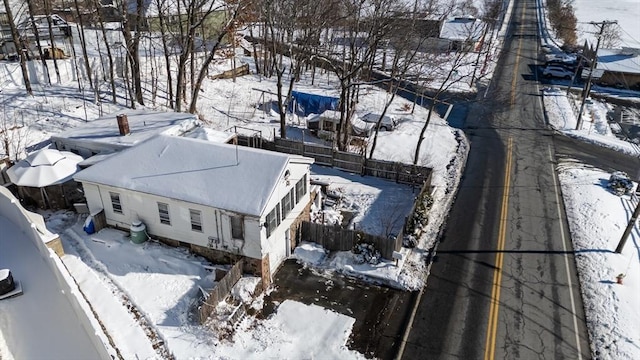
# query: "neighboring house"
221 200
619 67
326 124
212 14
108 134
462 33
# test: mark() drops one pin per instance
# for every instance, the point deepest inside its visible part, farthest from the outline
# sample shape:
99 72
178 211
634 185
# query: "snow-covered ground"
597 219
626 12
143 293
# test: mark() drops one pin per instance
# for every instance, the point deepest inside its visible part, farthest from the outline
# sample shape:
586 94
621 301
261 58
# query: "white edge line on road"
566 256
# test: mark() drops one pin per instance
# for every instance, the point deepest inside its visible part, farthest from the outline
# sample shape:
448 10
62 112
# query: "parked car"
6 281
557 72
388 122
8 287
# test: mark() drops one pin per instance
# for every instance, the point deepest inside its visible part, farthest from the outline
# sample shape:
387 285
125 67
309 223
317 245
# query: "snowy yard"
145 295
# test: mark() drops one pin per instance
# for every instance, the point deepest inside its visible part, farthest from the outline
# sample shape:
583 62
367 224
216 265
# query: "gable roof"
461 29
222 176
142 125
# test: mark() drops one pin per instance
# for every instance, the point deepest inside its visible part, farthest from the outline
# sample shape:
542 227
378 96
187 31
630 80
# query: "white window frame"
163 213
196 220
116 202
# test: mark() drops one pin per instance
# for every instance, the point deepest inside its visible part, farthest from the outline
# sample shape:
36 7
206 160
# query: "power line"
587 85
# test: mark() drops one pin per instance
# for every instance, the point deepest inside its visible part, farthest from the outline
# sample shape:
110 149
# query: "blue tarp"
312 104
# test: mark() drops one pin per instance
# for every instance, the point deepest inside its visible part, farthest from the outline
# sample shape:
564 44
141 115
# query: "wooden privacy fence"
335 238
350 162
220 291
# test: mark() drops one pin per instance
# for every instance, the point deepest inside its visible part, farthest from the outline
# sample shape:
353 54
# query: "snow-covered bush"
366 253
409 241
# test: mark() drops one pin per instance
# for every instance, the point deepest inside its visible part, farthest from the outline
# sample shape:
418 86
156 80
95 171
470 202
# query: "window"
116 205
301 188
196 220
272 220
287 204
237 231
163 211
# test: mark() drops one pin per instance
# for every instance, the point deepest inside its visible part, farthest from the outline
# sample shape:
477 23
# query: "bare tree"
231 23
132 43
191 13
611 37
447 71
363 25
83 43
47 9
36 33
17 41
107 45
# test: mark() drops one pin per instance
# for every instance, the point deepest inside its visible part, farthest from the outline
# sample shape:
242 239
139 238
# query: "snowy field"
626 12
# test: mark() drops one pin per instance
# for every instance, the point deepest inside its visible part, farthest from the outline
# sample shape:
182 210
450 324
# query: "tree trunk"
432 108
19 48
47 7
45 68
167 56
112 81
83 45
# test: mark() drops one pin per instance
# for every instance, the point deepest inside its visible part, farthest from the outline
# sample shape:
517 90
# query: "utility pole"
587 85
630 226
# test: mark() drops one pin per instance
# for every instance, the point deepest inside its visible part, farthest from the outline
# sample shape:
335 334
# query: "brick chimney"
123 124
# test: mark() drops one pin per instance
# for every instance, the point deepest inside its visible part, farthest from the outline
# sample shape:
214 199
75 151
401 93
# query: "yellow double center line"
490 346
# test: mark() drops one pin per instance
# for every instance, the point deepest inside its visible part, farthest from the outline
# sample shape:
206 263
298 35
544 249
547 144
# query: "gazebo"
45 178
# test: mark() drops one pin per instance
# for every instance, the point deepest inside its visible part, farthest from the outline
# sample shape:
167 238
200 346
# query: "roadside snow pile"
309 253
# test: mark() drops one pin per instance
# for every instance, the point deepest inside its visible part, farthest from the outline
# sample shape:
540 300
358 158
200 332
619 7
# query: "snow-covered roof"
222 176
619 60
210 134
461 28
142 125
170 7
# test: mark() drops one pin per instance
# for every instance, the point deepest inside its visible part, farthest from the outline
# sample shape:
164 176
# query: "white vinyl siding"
196 220
116 205
163 212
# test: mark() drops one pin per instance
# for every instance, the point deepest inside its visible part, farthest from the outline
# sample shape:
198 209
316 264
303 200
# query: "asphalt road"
503 282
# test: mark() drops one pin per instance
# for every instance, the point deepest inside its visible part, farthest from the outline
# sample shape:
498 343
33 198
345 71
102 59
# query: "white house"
115 132
221 200
462 33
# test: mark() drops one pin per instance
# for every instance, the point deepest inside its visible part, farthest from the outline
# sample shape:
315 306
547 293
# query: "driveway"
379 312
